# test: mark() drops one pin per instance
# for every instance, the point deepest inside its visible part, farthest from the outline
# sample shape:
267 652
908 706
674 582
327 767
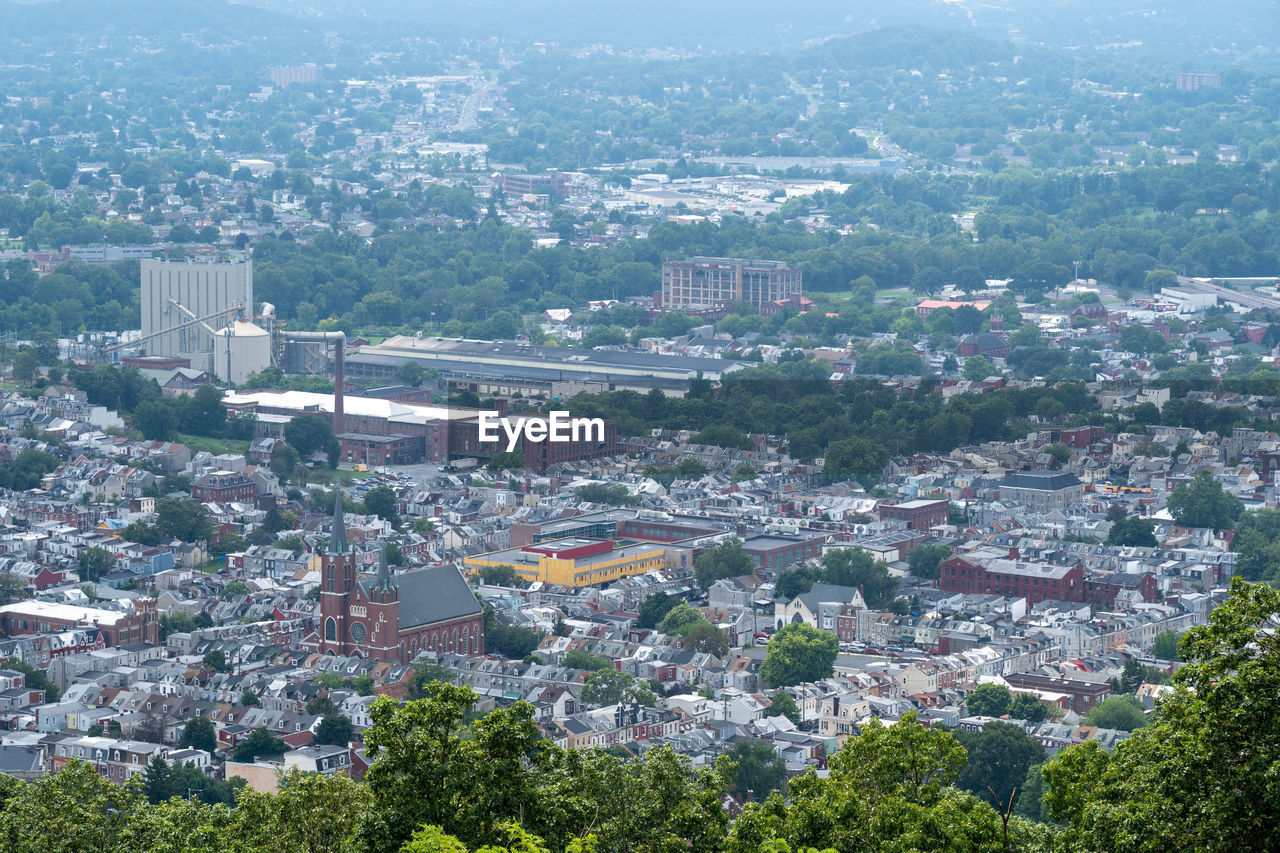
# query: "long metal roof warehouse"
459 359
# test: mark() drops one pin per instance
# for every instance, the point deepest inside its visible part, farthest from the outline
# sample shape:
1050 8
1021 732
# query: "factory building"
380 431
574 562
184 303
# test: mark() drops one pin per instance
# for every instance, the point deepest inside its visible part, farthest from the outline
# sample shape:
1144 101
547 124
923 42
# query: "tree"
782 704
705 637
998 758
799 653
1139 532
1203 503
382 502
156 782
249 698
179 518
334 729
925 560
889 788
726 560
363 684
156 420
260 742
411 373
856 567
655 606
857 459
680 619
613 687
505 460
761 770
198 733
978 367
988 700
1200 776
216 660
12 588
426 773
308 434
1026 706
583 659
1165 645
1122 712
36 679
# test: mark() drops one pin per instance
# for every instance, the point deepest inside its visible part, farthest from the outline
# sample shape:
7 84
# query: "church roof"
434 595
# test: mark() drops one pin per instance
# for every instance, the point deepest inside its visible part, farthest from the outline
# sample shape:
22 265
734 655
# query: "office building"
700 283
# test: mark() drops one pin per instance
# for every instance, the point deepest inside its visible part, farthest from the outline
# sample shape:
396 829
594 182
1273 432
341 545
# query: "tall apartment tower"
700 283
201 289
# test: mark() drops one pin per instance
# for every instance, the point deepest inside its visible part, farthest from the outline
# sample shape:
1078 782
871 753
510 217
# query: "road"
474 102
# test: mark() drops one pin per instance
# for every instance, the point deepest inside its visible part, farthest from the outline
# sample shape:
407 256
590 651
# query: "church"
393 617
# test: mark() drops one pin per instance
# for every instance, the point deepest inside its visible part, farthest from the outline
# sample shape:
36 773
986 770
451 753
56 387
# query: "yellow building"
573 562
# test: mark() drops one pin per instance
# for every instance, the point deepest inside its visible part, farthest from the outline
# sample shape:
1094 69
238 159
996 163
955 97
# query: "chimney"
339 351
1013 554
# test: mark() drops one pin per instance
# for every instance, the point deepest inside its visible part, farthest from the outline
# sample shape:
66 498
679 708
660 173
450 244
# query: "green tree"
156 420
761 770
855 459
925 560
249 698
799 653
179 518
783 704
890 789
156 781
726 560
655 606
260 742
334 728
1203 503
426 772
978 367
988 700
382 502
198 733
505 460
216 660
12 588
680 619
1133 531
1026 706
308 434
705 637
1165 645
857 567
1201 775
998 758
1123 712
612 687
583 659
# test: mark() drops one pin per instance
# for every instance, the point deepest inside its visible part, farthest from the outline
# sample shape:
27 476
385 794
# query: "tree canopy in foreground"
1199 776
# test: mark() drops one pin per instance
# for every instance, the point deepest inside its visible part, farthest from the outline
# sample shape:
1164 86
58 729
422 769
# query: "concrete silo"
174 292
240 349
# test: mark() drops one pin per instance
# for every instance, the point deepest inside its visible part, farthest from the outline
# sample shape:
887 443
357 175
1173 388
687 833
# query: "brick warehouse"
379 431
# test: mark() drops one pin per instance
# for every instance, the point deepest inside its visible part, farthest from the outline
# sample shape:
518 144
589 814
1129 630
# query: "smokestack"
339 351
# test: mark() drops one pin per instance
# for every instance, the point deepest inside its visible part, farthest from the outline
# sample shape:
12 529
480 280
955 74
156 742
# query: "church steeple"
383 582
338 539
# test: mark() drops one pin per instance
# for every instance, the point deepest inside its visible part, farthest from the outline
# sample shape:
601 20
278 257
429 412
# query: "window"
330 626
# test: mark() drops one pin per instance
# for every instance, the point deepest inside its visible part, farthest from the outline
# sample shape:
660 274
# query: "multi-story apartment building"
700 283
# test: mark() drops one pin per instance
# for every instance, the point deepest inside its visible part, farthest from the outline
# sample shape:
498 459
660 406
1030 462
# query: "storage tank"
250 348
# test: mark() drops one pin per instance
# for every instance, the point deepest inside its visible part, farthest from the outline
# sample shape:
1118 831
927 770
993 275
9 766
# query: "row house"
117 760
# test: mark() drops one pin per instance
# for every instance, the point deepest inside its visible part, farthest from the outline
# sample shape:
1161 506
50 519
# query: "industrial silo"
249 349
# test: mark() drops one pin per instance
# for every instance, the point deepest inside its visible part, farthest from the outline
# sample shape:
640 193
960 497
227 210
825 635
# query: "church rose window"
357 632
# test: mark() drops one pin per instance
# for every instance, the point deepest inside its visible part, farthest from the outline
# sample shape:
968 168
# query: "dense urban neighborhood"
478 432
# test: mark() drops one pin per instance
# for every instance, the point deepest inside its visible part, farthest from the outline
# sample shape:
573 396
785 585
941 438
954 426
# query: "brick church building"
393 617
